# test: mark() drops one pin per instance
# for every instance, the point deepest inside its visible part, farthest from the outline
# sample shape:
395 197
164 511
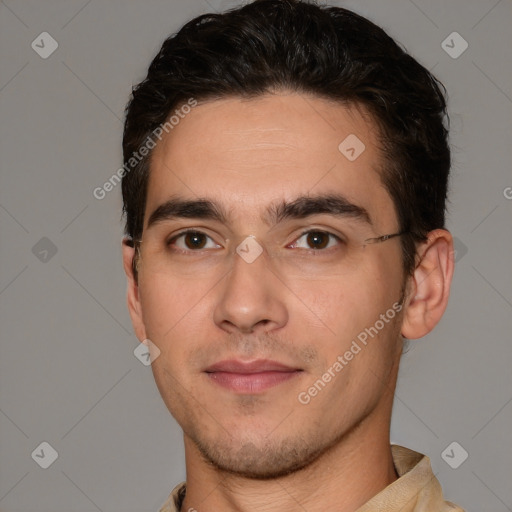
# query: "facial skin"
205 308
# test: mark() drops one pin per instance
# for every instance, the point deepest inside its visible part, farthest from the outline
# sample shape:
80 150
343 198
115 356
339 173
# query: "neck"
345 477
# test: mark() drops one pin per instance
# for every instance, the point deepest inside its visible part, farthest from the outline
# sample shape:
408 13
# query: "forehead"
247 154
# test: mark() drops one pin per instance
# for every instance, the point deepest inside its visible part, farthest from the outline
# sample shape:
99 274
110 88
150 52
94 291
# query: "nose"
252 298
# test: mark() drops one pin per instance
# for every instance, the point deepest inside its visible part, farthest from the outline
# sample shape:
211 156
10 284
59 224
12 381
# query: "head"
245 117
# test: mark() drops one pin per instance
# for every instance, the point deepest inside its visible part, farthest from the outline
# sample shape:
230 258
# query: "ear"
132 293
429 286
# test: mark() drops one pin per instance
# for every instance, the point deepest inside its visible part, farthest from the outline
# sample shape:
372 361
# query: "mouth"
250 377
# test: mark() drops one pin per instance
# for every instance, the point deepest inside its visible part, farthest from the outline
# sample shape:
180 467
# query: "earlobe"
429 286
132 292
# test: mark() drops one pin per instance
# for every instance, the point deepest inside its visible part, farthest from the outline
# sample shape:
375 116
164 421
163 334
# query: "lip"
250 376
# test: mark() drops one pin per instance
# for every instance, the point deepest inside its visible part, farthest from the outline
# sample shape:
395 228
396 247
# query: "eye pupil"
195 240
318 240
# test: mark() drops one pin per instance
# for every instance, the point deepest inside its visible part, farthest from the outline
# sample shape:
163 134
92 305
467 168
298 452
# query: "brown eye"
191 241
316 240
194 240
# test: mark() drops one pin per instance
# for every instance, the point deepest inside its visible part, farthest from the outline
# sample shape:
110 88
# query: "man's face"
246 337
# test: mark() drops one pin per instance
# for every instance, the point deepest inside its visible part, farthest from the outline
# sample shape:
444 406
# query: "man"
286 175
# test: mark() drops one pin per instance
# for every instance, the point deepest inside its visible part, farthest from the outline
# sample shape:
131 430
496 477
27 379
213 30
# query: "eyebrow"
300 208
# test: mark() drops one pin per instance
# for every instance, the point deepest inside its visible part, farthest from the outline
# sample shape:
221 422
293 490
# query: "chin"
266 460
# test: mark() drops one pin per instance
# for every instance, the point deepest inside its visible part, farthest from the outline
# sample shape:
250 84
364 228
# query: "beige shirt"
416 490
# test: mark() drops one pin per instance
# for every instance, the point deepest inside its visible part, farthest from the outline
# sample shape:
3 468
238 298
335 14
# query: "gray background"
69 376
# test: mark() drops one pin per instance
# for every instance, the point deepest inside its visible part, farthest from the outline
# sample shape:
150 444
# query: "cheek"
173 309
340 307
350 306
175 313
357 346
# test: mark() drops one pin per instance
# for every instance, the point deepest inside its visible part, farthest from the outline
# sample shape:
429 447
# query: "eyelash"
196 232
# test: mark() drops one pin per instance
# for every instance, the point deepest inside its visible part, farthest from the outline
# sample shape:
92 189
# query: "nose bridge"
252 297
